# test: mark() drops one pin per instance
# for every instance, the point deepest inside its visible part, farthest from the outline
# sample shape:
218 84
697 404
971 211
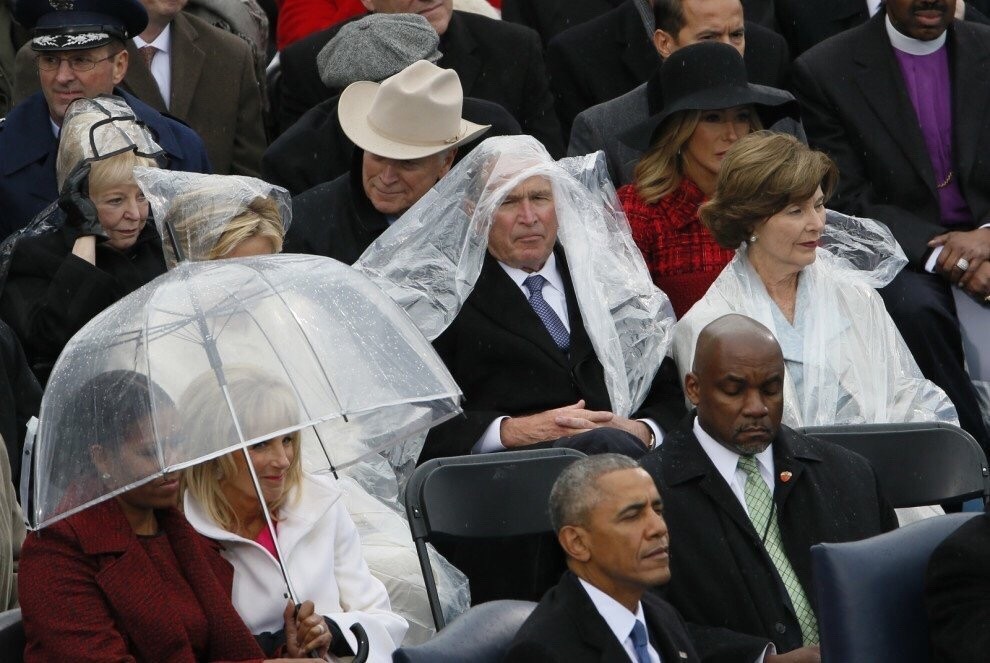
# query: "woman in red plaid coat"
707 106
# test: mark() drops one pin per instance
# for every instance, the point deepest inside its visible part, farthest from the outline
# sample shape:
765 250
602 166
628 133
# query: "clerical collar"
912 46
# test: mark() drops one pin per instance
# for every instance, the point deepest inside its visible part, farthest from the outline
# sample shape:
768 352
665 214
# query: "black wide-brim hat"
70 25
709 76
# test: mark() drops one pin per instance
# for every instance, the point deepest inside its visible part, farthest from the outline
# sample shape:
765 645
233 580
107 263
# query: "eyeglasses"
48 62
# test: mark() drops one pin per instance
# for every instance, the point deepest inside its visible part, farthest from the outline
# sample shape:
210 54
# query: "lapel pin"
682 654
785 476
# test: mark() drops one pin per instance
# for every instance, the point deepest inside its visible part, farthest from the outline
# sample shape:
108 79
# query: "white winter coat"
322 554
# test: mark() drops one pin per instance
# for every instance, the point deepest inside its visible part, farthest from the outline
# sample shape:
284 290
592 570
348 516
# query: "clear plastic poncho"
846 363
93 130
429 260
199 208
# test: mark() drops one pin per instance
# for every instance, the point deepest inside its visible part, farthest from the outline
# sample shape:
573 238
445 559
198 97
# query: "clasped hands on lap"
564 422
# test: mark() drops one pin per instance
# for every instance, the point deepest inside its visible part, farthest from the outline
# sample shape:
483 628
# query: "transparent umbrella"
363 376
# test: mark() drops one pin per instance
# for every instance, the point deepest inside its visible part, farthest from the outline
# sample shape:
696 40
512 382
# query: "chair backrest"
917 463
870 593
482 496
480 635
12 639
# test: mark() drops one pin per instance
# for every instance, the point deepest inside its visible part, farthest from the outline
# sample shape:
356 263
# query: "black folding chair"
917 463
482 496
481 635
870 593
12 639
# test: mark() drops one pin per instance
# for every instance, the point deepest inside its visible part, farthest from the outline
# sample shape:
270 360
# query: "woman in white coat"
315 539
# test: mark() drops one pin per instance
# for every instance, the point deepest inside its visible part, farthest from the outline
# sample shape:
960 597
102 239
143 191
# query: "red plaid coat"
682 255
90 592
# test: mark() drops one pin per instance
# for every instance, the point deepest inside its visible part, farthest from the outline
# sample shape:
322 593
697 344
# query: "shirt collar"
911 46
725 460
549 272
620 621
163 42
56 130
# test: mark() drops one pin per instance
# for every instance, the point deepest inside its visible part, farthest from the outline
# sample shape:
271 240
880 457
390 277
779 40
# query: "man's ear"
120 62
100 459
448 161
573 540
664 42
369 5
692 389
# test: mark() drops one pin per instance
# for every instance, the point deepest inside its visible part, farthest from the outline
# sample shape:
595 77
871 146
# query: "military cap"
67 25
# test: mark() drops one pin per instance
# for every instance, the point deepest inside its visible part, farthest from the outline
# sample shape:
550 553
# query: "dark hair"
574 493
669 16
762 174
109 407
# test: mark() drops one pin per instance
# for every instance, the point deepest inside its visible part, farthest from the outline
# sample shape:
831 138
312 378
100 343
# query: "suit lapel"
590 624
882 85
457 46
686 461
670 651
970 60
140 82
187 63
789 456
499 298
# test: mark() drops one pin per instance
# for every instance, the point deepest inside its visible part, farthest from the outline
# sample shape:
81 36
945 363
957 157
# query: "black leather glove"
80 212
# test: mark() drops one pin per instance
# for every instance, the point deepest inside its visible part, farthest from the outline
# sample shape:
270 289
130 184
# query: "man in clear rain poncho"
537 300
569 359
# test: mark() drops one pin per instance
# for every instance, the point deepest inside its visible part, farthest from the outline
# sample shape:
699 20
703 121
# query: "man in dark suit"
80 53
532 376
495 60
678 24
610 55
745 498
899 104
205 77
608 518
805 24
957 594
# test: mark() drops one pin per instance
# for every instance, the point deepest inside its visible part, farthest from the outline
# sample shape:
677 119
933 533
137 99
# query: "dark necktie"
550 319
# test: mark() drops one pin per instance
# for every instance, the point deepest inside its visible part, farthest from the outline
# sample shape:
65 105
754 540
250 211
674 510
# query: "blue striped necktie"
550 319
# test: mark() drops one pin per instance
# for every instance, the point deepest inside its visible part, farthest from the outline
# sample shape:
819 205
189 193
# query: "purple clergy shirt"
930 89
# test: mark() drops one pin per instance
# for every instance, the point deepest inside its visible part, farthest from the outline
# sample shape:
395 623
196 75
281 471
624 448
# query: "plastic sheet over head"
99 128
429 260
205 210
846 363
363 378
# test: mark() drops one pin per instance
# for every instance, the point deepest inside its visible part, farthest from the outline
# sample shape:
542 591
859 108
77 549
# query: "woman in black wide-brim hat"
707 106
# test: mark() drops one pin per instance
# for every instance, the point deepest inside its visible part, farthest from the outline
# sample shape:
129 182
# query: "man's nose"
754 405
64 71
388 174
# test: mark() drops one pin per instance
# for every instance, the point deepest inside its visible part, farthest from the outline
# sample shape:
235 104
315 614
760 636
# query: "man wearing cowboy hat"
407 130
80 53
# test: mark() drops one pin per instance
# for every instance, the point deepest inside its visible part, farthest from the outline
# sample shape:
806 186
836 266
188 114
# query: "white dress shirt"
161 64
620 621
873 6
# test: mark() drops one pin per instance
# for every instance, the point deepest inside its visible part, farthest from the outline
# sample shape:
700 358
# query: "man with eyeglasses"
80 53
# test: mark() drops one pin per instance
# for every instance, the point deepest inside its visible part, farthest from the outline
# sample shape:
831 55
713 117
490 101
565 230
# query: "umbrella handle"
362 639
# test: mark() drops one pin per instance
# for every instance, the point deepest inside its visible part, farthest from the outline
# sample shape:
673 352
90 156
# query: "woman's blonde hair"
761 175
661 169
263 404
260 219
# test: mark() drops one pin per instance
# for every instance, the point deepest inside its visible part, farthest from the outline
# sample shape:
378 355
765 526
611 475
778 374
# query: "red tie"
148 54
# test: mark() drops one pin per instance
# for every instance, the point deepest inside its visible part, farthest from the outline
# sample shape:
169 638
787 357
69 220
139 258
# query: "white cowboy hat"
410 115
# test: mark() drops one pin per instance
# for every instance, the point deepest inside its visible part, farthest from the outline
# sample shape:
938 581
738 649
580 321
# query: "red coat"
90 592
299 18
682 256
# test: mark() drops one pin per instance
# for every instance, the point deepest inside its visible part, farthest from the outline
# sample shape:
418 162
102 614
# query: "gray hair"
574 495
